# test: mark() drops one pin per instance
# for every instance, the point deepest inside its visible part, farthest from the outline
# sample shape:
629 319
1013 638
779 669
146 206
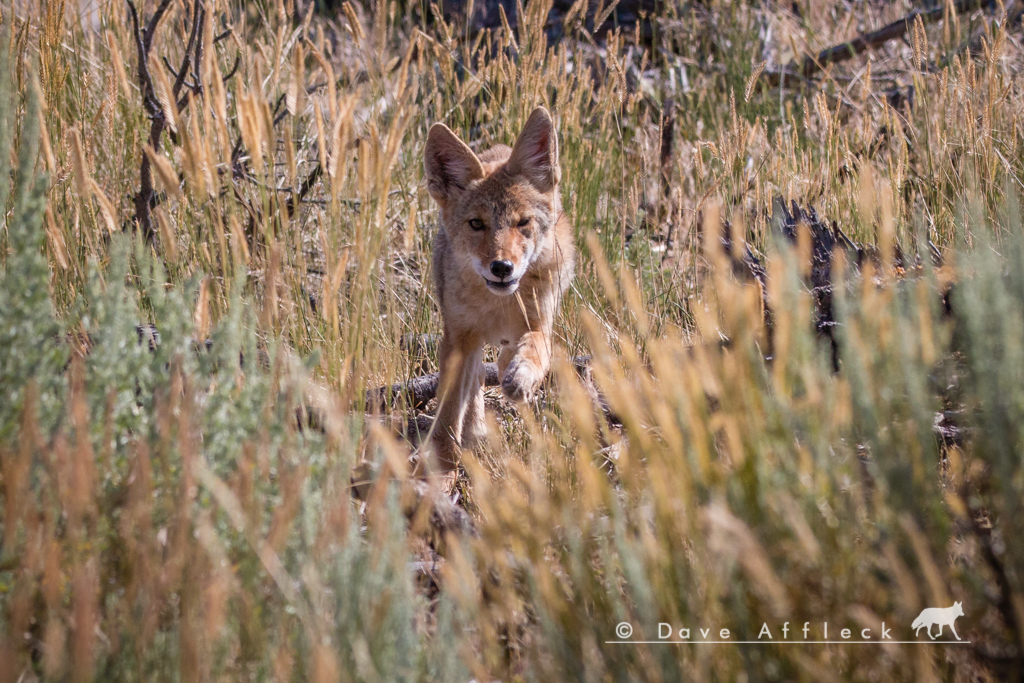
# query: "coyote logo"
943 616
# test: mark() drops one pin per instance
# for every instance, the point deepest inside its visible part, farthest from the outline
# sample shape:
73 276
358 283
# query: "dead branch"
144 199
419 391
812 64
304 189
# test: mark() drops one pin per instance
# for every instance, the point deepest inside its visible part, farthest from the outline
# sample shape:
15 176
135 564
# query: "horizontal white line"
788 642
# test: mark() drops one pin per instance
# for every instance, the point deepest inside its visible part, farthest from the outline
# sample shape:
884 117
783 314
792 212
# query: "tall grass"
183 508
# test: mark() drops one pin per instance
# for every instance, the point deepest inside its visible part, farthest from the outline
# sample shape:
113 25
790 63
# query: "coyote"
943 616
503 258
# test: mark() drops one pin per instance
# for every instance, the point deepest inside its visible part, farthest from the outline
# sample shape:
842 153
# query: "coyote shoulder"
941 616
503 257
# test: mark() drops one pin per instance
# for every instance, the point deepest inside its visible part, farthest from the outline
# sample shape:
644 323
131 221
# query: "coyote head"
498 210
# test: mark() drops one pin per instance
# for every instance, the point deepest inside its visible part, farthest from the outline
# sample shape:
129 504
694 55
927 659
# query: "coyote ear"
536 152
449 163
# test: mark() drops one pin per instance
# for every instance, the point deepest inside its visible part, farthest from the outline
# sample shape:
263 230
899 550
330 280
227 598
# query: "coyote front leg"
460 413
523 368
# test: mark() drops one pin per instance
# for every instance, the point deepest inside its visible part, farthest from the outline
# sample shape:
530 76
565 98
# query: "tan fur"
498 190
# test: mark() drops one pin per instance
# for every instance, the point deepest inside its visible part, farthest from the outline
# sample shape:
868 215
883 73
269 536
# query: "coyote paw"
446 452
521 380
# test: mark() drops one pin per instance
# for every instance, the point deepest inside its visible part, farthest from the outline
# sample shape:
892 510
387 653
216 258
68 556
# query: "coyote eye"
523 222
476 224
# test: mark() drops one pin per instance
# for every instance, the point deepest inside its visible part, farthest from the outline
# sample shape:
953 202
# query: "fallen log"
826 239
419 391
596 18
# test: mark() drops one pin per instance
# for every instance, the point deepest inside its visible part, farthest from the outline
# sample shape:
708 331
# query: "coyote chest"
503 258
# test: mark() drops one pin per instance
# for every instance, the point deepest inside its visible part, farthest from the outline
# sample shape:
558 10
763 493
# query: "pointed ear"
450 164
536 152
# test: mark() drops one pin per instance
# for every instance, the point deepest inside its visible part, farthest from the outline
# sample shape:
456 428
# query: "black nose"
501 269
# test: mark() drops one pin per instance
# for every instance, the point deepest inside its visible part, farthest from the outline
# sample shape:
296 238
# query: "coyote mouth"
503 287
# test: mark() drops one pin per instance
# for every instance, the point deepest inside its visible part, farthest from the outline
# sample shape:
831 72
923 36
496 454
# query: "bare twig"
195 44
304 189
234 69
668 123
154 21
145 82
144 199
197 63
143 41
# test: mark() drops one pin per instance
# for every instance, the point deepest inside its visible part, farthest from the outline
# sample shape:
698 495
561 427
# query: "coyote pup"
503 257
